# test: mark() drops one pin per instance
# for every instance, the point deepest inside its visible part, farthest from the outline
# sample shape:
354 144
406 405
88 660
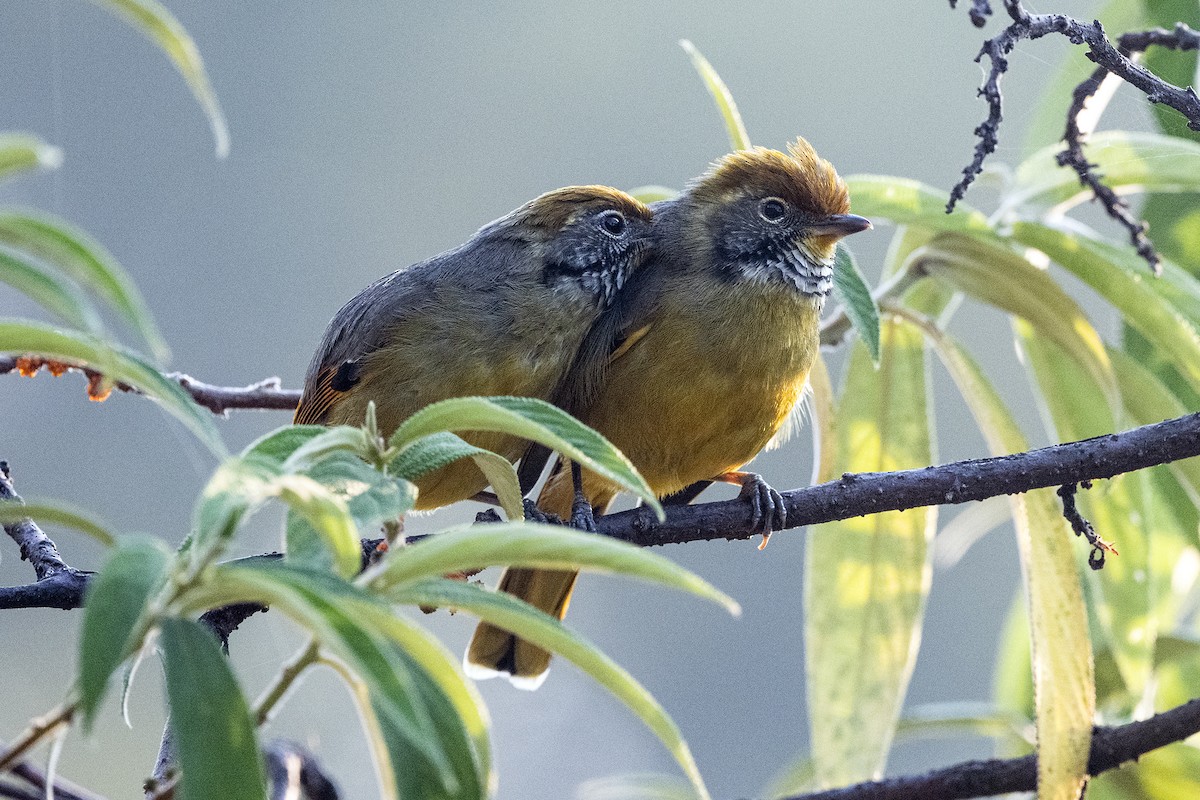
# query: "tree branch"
58 584
264 395
1111 747
959 482
1117 60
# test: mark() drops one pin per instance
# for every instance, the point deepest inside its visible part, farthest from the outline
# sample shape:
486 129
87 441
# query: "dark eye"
772 209
613 223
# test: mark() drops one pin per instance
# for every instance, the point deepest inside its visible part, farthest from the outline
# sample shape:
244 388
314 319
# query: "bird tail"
494 651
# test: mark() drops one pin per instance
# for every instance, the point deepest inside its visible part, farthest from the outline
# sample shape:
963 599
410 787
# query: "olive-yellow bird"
702 357
502 314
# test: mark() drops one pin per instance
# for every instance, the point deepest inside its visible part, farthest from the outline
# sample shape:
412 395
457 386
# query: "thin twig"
264 395
1116 59
1082 527
63 788
1111 747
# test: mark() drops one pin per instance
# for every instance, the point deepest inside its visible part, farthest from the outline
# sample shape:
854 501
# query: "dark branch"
1116 59
63 789
58 584
959 482
1111 747
265 395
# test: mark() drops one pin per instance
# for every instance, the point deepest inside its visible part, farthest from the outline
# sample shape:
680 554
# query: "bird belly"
692 401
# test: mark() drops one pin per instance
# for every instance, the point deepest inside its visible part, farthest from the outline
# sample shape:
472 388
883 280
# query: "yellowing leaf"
866 579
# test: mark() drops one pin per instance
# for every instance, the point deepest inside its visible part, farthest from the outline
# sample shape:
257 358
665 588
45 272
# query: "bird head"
773 216
590 238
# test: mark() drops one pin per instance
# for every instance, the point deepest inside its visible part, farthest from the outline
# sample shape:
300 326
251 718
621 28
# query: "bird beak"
836 226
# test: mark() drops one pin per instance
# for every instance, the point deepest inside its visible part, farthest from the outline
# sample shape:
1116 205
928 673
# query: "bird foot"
769 513
535 514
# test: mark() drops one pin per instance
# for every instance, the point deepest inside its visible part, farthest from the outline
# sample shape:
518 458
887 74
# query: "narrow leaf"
909 202
1130 161
546 632
525 544
739 139
1127 286
851 288
653 194
359 631
157 24
58 243
1064 683
531 419
1004 279
278 445
21 152
56 512
866 579
115 362
213 733
116 599
51 292
1122 595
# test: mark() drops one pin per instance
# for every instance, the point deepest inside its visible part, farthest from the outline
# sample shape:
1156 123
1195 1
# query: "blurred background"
369 136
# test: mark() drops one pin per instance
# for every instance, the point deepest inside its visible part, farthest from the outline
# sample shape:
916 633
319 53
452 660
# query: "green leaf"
241 485
509 613
370 496
1130 162
1148 400
960 720
59 297
851 288
277 446
739 139
157 24
531 419
428 756
1123 280
213 733
439 449
56 512
866 579
1000 277
341 439
1123 593
1064 684
530 545
909 202
116 600
115 362
1165 774
59 244
653 194
21 152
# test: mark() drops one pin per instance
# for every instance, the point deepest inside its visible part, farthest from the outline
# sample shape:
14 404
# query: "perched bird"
703 355
502 314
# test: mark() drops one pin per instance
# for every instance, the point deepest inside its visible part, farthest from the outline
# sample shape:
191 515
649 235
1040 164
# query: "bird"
502 314
700 360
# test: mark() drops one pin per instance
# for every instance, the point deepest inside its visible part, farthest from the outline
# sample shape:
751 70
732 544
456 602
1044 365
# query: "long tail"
494 651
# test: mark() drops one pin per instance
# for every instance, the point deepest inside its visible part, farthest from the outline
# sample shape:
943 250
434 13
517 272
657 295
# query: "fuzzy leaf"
851 288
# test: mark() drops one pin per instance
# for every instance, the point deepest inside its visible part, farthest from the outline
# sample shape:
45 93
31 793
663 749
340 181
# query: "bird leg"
582 517
769 510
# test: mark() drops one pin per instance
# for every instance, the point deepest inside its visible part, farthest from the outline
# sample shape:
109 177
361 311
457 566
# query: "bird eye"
613 223
772 209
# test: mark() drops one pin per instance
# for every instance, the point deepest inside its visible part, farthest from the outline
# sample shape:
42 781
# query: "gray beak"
839 225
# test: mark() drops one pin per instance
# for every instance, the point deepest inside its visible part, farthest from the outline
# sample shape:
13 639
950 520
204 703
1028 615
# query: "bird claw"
769 513
535 514
582 517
